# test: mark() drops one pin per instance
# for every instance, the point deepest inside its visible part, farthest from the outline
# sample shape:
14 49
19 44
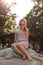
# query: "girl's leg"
21 47
16 49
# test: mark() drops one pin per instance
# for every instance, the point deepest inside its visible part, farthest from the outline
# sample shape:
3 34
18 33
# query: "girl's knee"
20 45
13 45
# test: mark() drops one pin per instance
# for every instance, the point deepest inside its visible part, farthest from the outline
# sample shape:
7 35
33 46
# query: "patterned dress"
21 38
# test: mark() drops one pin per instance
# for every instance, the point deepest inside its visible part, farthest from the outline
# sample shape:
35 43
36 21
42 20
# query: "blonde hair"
25 22
22 20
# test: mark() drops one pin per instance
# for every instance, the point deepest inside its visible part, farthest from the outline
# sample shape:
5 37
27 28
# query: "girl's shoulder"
17 30
27 29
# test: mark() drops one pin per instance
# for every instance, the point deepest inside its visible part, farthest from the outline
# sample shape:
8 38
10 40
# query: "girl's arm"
15 37
27 33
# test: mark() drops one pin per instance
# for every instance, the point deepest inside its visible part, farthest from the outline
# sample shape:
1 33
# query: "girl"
21 40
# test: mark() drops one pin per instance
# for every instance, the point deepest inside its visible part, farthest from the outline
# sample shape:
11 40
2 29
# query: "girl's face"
22 24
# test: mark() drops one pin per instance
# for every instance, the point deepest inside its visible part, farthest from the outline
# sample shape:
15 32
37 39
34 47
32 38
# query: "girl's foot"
23 58
29 59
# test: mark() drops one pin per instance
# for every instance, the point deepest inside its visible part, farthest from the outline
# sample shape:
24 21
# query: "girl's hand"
27 33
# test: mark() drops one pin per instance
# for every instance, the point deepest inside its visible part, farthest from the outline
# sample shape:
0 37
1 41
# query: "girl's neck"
21 29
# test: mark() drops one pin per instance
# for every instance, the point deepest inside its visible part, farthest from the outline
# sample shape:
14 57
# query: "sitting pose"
20 44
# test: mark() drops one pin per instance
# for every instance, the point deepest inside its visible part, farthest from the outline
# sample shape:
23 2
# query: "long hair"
22 20
25 22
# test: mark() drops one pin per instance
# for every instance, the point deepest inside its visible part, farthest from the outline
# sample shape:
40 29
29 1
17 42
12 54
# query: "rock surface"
16 60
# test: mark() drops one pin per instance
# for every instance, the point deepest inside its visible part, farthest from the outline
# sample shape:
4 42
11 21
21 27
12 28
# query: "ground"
18 61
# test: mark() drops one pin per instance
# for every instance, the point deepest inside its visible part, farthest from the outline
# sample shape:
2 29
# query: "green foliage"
35 21
37 1
9 26
5 16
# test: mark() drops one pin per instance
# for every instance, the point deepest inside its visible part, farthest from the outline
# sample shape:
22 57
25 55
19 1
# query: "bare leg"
16 49
24 51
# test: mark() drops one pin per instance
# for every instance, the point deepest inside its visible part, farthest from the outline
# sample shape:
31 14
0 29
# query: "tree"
37 1
9 26
35 20
4 10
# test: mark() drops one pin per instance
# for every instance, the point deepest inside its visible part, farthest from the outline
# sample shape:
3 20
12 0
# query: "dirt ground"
18 61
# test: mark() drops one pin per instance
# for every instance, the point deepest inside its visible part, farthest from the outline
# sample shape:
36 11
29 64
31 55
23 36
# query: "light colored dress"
21 38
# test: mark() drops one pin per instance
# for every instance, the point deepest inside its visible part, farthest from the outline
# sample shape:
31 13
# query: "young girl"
21 40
